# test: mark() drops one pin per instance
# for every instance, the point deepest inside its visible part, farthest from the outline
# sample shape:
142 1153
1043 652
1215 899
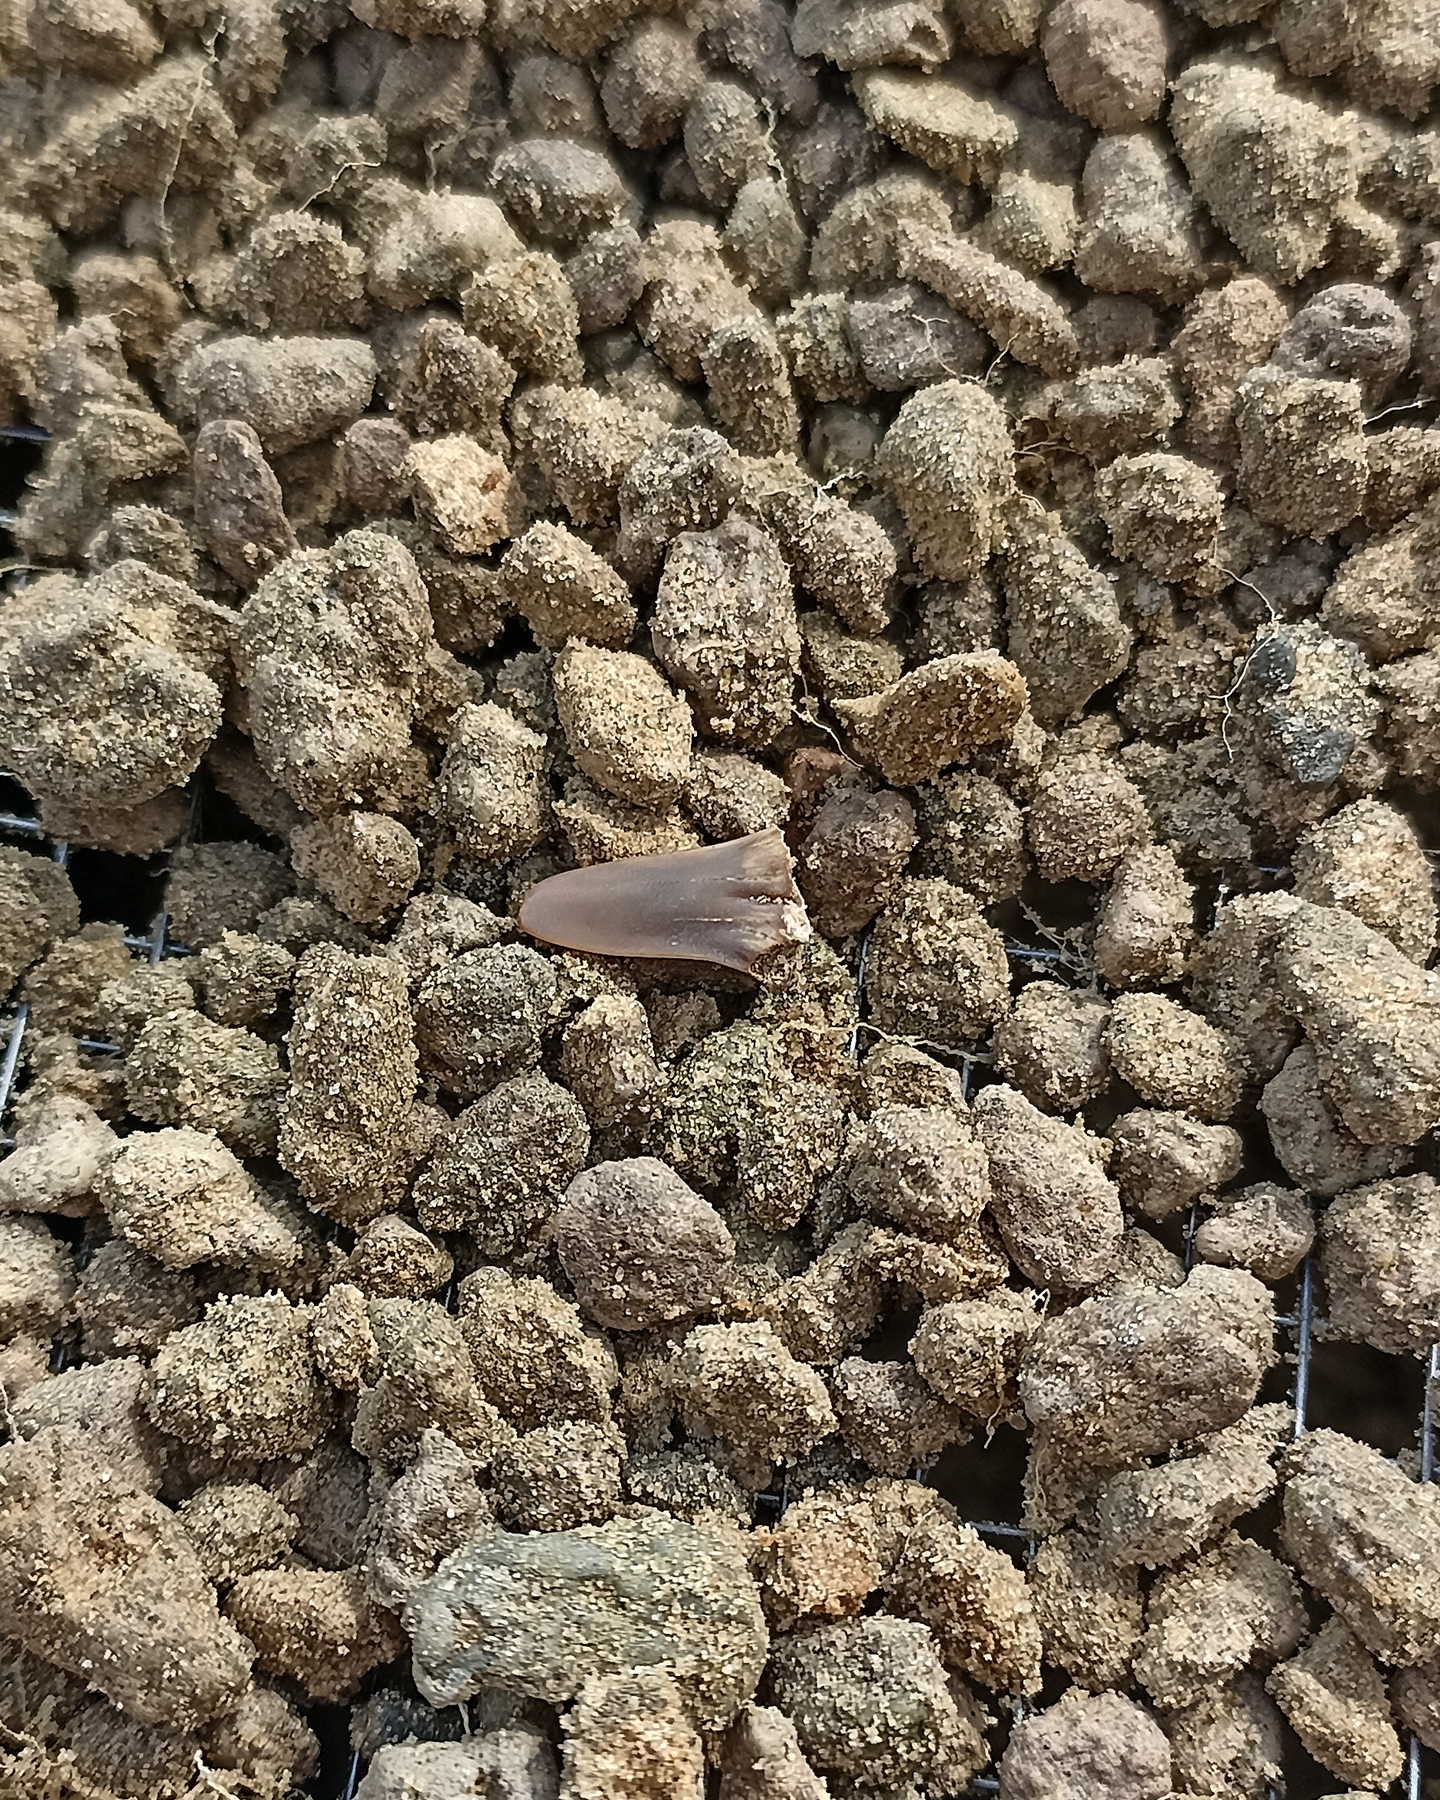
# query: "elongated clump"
731 904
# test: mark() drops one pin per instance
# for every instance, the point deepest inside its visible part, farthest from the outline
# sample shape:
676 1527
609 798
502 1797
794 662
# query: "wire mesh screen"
1303 1327
113 888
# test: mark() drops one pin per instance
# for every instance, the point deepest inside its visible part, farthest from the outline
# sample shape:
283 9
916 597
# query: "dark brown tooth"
731 904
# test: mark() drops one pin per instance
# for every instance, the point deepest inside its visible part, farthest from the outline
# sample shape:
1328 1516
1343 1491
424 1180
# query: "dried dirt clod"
462 491
535 1361
544 1614
1106 60
889 1418
761 1759
974 1599
558 1477
938 714
330 710
238 502
628 1734
480 1019
968 1351
946 461
365 863
291 391
103 1403
38 908
1367 859
1058 1212
136 1615
1230 1741
61 1147
1121 1377
856 849
1233 119
344 1131
639 1246
1084 818
242 1383
185 1070
1086 1746
1209 1618
1067 635
1174 1058
919 1168
1266 1229
1380 1257
93 728
739 1384
1145 927
316 1627
1053 1045
1164 512
724 630
847 1685
973 835
181 1197
626 727
1089 1610
500 1173
936 968
1373 1018
564 589
236 1528
1364 1536
1334 1696
519 1759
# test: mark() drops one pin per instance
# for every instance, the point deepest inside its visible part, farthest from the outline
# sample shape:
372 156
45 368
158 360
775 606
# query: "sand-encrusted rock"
1373 1018
543 1614
1058 1212
1174 1058
639 1246
1086 1745
947 462
1334 1696
840 1681
1266 1229
1094 1396
1363 1534
344 1131
1380 1254
936 715
936 969
242 1383
135 1615
724 630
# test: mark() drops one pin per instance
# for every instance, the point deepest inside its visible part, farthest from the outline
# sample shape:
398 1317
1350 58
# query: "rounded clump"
1106 60
919 1168
948 462
557 1477
627 728
1083 820
639 1246
183 1198
1174 1058
869 1698
1054 1046
1380 1256
480 1019
242 1383
936 968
